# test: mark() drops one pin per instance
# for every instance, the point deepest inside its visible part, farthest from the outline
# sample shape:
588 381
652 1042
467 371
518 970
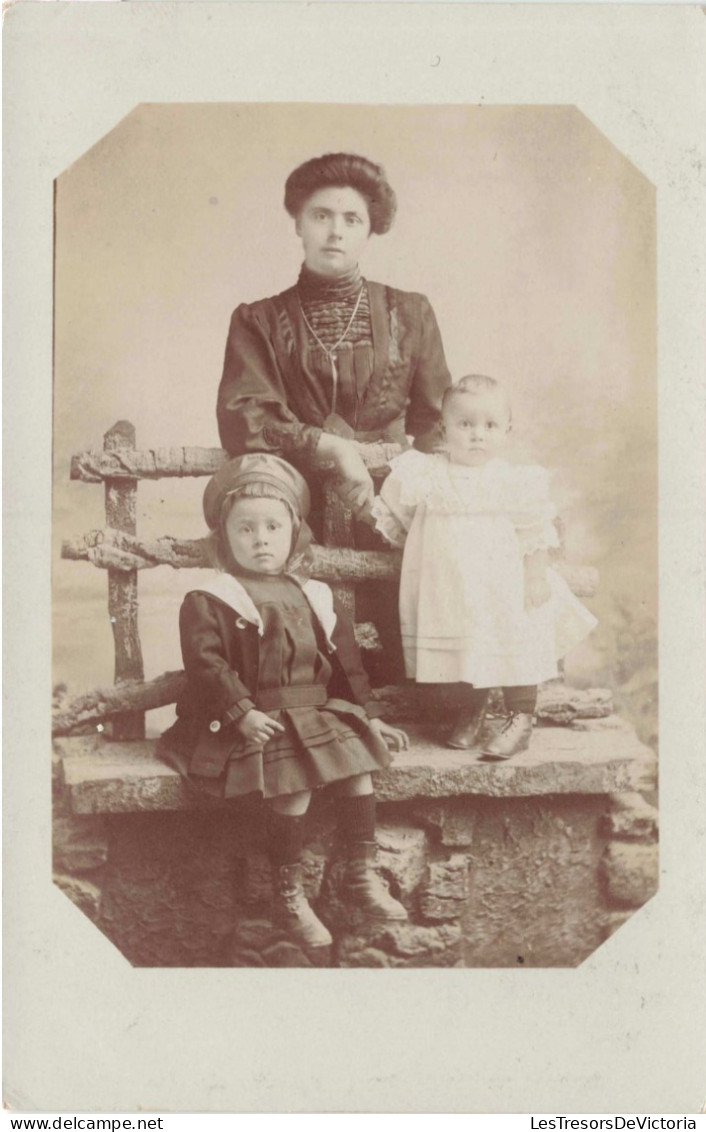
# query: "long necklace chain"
330 351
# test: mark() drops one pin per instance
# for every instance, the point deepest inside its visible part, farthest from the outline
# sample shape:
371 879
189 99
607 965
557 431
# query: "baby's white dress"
465 532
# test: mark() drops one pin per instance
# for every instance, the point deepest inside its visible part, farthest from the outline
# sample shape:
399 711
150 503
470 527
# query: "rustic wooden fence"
117 548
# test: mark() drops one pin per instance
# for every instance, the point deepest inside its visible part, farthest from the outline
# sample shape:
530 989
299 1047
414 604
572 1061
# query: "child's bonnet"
277 475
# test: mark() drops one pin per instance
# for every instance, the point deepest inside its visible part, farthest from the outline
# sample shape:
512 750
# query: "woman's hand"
354 485
537 588
358 497
393 738
257 727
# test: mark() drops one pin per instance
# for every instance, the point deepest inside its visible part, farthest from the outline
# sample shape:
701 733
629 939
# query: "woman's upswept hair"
343 170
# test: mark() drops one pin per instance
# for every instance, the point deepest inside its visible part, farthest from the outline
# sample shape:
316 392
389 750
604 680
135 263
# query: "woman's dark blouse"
276 389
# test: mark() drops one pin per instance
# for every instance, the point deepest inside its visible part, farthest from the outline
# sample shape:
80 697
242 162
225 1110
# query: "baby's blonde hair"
476 383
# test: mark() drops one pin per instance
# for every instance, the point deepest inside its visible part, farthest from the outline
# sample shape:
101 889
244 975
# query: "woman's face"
334 226
259 532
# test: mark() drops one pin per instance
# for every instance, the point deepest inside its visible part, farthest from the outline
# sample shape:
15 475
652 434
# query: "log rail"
164 463
337 565
119 550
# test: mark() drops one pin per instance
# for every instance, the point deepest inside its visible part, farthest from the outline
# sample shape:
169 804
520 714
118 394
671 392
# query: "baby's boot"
470 719
466 732
513 737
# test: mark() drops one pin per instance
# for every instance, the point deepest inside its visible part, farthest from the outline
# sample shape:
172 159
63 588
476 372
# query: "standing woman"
335 358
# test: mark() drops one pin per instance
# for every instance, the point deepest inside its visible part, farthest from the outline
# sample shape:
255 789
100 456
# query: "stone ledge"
100 776
631 873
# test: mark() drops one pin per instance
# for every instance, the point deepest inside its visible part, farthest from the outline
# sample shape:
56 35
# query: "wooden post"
120 514
338 531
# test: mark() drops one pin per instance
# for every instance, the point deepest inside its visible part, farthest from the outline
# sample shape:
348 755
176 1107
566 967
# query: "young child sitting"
480 607
277 702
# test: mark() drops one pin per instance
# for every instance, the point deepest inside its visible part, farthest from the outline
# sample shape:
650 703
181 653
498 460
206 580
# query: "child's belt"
291 696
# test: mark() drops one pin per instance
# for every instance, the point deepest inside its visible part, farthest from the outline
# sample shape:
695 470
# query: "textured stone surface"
83 893
631 872
105 777
177 889
535 898
608 722
445 894
402 856
613 922
256 943
632 818
170 888
450 821
79 843
429 814
257 879
560 761
459 823
401 945
495 879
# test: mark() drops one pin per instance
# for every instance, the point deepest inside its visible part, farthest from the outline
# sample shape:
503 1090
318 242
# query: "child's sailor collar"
232 593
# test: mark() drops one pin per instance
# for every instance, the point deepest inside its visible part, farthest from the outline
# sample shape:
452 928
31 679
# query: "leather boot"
292 912
467 731
514 737
364 887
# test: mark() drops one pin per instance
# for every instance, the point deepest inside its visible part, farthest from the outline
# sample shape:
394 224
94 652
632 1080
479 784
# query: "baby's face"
476 426
259 532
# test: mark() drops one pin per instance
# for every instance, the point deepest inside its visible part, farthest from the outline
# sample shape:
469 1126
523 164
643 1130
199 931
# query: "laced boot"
292 912
467 730
513 737
364 887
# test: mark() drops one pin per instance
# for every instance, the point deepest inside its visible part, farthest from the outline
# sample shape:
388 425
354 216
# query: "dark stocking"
356 818
285 837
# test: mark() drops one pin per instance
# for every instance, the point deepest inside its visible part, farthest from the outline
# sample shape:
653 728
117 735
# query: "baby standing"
480 607
277 702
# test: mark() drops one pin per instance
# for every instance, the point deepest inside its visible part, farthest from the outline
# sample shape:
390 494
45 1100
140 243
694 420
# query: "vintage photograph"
355 536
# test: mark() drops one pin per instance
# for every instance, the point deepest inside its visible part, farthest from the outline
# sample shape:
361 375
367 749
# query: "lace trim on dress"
391 529
519 491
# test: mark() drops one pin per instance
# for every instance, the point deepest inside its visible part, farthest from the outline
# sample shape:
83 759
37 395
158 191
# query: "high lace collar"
313 286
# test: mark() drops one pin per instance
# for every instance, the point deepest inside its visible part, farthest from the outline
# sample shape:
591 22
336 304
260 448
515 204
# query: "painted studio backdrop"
530 233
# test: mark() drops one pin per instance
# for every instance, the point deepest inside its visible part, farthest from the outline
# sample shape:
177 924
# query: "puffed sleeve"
252 407
394 508
431 377
533 511
216 687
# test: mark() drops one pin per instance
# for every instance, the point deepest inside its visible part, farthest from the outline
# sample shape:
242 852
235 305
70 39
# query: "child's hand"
537 588
395 739
256 727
